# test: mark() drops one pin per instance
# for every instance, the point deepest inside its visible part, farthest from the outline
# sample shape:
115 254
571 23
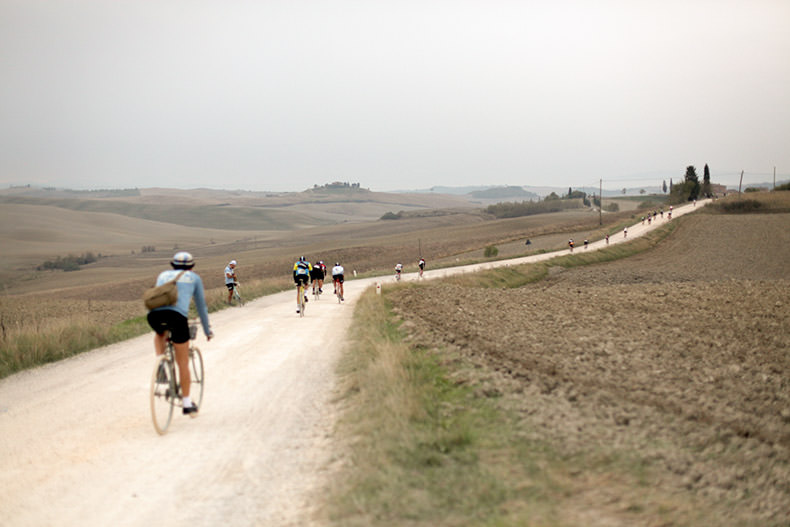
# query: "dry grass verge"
632 393
422 447
37 329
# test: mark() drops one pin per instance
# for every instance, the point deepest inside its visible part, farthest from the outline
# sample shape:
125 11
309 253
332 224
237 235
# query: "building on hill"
718 190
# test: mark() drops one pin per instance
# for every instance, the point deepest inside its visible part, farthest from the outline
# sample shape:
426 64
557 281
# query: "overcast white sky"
280 95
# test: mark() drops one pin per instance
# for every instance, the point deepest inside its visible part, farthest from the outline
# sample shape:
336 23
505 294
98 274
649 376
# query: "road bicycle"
237 294
338 292
316 291
302 303
165 389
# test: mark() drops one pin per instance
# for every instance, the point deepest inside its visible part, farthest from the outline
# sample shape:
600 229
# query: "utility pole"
774 178
740 183
600 201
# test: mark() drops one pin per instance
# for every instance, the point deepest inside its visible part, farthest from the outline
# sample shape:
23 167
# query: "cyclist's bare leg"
230 295
160 341
182 359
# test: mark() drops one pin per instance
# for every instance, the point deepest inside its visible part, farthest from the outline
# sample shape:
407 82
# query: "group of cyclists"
171 321
304 274
399 269
571 243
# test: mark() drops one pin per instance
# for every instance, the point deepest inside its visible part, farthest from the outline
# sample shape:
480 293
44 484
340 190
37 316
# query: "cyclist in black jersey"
317 276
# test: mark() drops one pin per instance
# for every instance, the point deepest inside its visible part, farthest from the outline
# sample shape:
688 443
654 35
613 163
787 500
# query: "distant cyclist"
230 279
398 270
317 276
421 265
302 270
570 244
174 319
338 278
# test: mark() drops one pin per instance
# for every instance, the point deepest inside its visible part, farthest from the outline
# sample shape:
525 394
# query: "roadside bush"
68 263
390 216
612 207
490 251
527 208
740 206
648 205
786 186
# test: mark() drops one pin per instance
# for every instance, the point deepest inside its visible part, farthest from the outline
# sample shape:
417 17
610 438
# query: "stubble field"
664 376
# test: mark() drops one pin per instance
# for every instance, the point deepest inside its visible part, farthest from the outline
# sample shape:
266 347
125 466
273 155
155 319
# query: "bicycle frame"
236 294
166 390
301 299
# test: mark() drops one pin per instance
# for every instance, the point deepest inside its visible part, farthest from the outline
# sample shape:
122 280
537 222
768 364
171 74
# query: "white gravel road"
77 446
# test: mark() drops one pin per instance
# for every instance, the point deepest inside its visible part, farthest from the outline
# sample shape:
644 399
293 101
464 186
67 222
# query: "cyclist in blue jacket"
175 319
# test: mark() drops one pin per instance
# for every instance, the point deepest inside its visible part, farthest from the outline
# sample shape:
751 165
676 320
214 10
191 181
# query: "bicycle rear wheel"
237 296
197 376
163 393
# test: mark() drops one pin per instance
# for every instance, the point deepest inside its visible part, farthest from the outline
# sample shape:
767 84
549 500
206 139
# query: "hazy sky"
280 95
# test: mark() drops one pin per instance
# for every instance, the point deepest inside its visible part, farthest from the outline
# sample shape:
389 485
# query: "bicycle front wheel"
163 393
197 376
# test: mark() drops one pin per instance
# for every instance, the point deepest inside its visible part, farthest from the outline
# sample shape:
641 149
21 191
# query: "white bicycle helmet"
183 260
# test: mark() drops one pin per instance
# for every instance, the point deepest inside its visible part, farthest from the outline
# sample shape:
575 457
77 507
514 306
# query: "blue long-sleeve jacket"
189 286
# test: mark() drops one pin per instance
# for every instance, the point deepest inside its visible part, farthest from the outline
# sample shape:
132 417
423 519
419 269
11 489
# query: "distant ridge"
529 192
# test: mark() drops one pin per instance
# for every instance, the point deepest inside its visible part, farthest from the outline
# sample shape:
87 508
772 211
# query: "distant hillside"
504 193
532 192
236 210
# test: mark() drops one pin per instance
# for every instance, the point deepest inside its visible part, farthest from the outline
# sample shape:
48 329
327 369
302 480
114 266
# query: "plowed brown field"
676 360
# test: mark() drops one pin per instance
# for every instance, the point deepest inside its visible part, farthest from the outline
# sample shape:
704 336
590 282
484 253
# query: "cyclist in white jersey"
338 278
230 278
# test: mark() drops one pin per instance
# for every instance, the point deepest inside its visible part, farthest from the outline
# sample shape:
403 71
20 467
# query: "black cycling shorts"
230 286
301 279
316 274
338 277
162 320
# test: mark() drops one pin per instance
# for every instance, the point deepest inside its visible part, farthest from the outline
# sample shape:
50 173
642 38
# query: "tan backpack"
162 295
